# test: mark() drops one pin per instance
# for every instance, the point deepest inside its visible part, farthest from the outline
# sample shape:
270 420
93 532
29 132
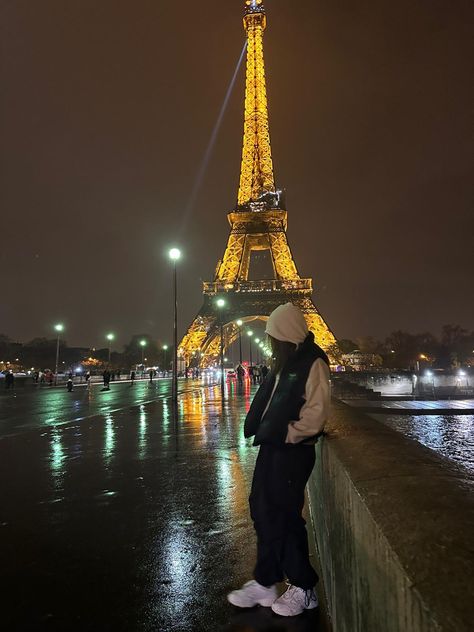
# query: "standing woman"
286 417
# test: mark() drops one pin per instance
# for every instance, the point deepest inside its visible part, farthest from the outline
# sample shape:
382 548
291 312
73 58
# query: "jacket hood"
287 323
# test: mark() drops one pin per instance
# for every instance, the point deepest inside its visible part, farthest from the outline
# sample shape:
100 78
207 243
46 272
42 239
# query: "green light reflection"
57 458
109 440
142 428
166 421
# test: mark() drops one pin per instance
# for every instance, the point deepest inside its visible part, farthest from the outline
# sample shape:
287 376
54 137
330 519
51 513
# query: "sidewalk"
122 523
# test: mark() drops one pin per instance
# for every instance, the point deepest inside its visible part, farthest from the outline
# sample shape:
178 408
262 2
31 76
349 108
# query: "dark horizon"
106 117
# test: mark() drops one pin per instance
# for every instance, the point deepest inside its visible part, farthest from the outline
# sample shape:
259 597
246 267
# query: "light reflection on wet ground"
115 522
24 408
452 436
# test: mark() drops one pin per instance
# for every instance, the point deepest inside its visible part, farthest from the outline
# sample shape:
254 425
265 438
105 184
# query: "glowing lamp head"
239 323
250 333
165 347
110 337
142 343
174 254
59 327
220 303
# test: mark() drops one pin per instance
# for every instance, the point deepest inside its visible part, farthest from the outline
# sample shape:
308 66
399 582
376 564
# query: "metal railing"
293 285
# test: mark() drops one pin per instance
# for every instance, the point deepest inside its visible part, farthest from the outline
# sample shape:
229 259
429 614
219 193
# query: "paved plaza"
114 517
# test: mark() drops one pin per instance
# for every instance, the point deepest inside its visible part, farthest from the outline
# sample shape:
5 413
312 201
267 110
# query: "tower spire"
256 174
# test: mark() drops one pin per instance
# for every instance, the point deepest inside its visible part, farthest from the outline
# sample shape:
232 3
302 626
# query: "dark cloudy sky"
106 111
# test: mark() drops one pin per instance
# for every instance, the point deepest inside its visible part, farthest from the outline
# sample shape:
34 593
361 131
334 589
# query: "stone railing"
393 524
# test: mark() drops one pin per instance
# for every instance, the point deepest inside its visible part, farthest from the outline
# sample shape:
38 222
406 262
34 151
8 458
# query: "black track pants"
276 505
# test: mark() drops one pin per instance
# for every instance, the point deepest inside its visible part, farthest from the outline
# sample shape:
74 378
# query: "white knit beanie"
287 323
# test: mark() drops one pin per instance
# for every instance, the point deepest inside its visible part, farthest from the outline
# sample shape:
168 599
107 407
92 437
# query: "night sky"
106 111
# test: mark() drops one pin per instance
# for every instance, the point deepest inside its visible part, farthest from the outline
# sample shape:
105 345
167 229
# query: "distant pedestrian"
151 373
286 418
256 375
264 371
250 372
9 380
132 378
106 378
70 385
240 373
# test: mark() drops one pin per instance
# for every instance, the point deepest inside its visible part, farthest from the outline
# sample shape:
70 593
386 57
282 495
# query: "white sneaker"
294 601
253 594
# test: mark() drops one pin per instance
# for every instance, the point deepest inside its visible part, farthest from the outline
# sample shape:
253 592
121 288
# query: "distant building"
361 361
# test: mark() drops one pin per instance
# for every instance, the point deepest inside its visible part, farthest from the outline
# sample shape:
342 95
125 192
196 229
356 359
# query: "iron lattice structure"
259 222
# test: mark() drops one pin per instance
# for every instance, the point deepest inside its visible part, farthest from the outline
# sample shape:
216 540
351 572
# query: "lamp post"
239 324
257 358
221 304
110 338
143 345
58 328
175 256
165 349
250 334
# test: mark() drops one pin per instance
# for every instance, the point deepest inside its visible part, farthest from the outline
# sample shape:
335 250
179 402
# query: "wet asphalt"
115 516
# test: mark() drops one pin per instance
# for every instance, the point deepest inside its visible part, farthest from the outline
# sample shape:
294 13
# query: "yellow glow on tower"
259 223
256 175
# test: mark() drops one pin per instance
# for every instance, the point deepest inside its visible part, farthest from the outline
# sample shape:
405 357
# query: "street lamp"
175 255
110 338
165 349
143 345
59 328
257 342
220 305
239 324
250 334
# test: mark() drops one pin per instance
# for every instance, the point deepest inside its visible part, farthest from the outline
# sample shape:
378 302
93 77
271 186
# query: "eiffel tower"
258 223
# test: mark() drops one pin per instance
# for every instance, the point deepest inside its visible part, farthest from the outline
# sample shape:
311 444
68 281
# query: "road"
114 517
42 406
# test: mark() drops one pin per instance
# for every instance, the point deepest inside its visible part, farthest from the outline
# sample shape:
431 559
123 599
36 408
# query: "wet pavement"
114 517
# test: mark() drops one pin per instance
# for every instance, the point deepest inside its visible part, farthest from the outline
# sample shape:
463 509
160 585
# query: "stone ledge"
394 524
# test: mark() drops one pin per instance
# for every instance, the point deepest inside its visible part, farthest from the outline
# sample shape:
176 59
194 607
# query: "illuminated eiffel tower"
258 223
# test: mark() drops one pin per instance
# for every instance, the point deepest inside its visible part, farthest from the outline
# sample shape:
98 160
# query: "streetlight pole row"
260 344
